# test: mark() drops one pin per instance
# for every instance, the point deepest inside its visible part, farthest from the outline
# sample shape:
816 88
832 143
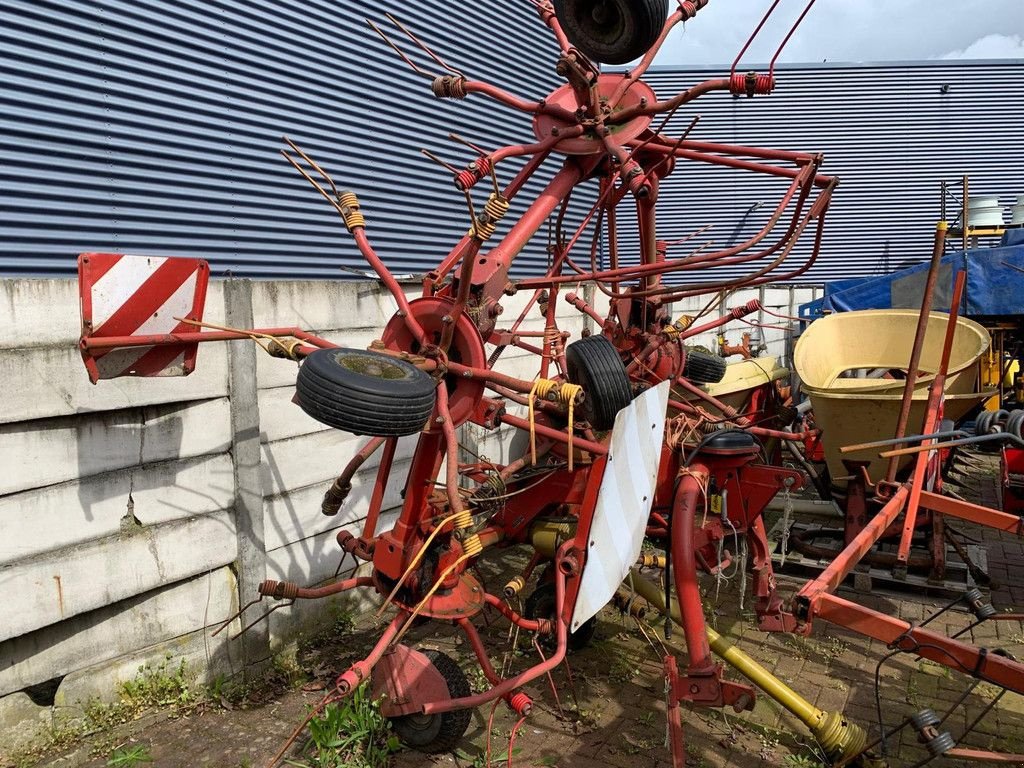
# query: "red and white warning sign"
135 300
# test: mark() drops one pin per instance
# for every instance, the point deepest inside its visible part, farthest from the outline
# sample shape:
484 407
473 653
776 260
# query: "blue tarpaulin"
995 286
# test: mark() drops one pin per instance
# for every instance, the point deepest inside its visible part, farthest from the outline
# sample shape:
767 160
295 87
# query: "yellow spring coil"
651 561
482 230
567 394
672 330
463 520
485 225
515 586
351 213
496 207
470 544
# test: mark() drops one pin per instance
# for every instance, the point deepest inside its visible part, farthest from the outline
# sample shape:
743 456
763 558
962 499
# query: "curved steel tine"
401 54
797 23
313 164
234 616
424 47
468 143
261 618
314 182
439 161
756 32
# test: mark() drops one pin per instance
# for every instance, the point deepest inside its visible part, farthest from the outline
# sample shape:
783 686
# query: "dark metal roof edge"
798 66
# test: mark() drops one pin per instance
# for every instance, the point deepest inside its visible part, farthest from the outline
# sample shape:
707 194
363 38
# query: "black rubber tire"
437 733
541 605
702 368
595 365
612 31
365 393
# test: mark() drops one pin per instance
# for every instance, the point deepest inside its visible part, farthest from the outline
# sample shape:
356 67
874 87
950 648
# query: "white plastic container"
984 211
1017 216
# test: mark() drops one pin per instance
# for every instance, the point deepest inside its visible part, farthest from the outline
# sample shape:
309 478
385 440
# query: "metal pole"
931 418
922 331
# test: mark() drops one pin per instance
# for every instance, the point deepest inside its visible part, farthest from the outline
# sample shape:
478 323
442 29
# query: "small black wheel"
541 605
595 365
437 733
702 368
365 393
612 31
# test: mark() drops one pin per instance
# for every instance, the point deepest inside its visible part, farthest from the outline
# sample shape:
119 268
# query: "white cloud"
991 47
844 30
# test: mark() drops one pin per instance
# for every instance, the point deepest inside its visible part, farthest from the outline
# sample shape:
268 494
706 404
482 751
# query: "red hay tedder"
623 442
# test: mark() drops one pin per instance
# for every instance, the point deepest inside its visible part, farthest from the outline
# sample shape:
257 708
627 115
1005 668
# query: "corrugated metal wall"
154 127
892 133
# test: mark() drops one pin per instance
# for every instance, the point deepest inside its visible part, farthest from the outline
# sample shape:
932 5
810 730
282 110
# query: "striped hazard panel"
623 501
145 297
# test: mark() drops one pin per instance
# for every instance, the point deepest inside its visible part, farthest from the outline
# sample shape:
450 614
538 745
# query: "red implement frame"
602 126
815 600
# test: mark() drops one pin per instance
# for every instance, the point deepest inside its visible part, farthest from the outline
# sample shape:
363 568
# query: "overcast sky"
852 30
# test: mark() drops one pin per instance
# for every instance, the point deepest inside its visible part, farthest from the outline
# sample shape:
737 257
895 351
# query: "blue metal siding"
154 127
887 130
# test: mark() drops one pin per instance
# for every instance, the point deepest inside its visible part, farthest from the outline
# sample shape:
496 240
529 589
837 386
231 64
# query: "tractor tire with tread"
443 732
703 368
365 393
594 364
612 31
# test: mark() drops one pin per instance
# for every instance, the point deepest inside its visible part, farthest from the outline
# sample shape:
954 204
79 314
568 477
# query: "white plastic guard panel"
623 501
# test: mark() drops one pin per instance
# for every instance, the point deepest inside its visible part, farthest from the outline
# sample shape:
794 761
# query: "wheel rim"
419 722
605 22
373 366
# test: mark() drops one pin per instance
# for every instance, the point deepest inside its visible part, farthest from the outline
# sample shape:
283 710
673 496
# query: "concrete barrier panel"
169 611
37 454
58 585
63 515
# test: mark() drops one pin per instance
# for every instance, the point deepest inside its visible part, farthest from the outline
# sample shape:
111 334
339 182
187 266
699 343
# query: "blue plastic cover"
995 286
1013 237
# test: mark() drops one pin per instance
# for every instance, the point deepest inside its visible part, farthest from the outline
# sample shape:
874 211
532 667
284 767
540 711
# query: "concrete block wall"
116 529
138 514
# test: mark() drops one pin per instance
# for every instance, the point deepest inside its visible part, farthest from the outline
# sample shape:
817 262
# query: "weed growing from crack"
351 733
127 757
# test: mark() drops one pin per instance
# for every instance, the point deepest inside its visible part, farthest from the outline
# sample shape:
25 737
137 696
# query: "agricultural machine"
622 440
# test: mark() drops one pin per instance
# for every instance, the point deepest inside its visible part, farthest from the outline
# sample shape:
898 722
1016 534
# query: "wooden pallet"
869 579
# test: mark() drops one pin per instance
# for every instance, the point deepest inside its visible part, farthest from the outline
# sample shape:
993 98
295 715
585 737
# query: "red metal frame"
1011 468
601 124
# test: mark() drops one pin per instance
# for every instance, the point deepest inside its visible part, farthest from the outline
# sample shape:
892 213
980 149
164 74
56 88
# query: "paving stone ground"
612 713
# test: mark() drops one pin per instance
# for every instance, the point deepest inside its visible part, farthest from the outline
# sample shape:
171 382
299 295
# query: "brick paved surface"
616 717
